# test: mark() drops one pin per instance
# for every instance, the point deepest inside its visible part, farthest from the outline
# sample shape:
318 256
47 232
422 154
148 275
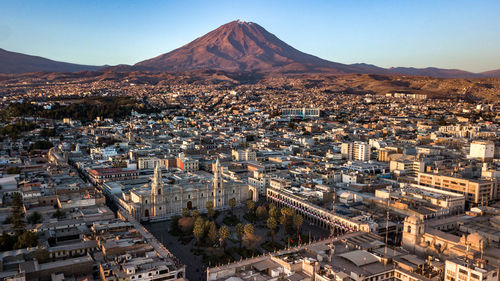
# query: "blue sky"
446 34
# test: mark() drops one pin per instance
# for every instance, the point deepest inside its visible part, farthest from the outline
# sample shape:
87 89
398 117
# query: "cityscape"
236 157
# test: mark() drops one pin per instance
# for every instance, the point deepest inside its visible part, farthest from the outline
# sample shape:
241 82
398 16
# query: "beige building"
435 237
477 192
244 155
159 200
466 270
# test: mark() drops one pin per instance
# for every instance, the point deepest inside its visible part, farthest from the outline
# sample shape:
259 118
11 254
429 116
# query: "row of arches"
315 217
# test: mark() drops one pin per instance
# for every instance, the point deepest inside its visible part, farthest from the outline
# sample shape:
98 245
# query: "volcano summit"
245 46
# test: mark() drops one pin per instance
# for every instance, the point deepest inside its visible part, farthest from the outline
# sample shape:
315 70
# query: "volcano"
247 47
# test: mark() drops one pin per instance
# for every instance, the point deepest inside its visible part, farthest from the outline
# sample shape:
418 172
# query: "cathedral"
160 200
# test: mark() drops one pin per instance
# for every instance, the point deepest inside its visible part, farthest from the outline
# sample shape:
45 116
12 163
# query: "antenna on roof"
387 225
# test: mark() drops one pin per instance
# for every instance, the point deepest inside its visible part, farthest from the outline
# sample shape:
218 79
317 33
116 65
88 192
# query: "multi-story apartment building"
301 112
244 155
355 151
477 192
482 150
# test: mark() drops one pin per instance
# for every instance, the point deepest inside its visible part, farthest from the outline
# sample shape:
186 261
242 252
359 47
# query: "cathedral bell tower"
413 230
157 196
218 189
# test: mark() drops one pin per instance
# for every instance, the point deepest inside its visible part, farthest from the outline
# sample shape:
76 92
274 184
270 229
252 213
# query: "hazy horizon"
448 34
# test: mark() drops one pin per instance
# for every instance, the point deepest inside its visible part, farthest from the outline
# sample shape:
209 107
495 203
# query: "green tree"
240 230
250 239
209 205
212 232
287 218
211 213
272 224
7 242
42 255
250 205
249 229
196 213
273 212
18 223
174 224
297 221
210 209
41 145
232 204
59 214
223 234
261 212
26 239
186 212
199 229
34 218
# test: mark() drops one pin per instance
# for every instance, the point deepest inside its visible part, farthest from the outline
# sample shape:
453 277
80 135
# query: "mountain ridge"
237 46
13 62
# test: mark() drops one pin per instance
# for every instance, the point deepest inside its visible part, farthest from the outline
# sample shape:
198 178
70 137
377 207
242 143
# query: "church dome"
475 239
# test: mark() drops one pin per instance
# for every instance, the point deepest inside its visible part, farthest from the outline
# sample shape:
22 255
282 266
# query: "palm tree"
250 205
298 220
210 208
232 204
223 234
272 224
261 212
249 229
239 229
199 229
186 212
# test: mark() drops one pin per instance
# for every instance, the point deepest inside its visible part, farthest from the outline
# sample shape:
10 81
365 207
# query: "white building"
244 155
301 112
482 150
470 271
100 153
356 151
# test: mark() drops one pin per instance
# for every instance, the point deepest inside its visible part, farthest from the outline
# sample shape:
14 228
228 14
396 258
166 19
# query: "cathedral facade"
160 201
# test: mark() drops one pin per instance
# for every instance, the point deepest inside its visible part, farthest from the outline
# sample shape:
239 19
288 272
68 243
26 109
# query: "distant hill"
11 62
491 73
435 72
